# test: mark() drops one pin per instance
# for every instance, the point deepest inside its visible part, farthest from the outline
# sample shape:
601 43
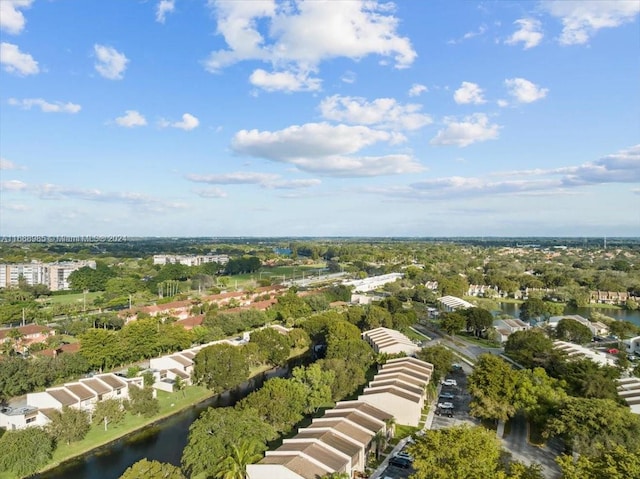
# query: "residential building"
596 327
372 283
190 260
452 303
506 327
629 390
580 352
632 345
390 341
53 275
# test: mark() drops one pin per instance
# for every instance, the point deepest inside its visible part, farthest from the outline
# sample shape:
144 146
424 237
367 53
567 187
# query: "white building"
54 275
390 341
452 303
629 390
506 327
632 345
597 328
575 351
372 283
190 260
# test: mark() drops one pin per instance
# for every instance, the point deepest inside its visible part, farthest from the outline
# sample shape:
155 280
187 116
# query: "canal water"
621 314
163 441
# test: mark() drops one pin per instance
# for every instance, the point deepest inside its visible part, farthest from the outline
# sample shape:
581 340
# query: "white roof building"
373 283
576 351
632 345
390 341
629 390
452 303
597 328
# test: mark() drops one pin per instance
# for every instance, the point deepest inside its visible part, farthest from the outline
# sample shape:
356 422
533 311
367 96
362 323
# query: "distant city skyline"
211 118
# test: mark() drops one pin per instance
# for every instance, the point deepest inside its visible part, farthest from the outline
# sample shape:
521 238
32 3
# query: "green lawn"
72 298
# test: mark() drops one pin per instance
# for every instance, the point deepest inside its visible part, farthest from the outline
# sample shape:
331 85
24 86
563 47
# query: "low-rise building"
596 327
390 341
452 303
506 327
629 390
576 351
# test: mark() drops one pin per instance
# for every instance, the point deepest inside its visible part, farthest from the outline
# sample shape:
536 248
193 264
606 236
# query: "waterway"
162 441
513 309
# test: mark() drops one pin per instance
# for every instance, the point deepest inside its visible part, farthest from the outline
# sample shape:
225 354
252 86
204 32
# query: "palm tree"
234 466
391 427
380 442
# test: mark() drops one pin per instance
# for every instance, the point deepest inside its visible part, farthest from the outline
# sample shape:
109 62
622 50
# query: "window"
30 420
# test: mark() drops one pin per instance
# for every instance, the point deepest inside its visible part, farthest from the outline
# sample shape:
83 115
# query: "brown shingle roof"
62 396
359 418
343 426
320 453
300 465
114 381
81 391
98 386
330 438
365 408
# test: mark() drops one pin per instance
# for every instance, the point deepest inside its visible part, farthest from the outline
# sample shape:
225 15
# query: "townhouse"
390 341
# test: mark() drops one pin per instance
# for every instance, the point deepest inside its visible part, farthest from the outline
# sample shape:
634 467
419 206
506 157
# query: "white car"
450 382
445 405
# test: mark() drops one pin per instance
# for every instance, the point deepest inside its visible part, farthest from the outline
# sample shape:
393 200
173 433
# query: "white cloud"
525 91
502 103
110 63
15 61
211 193
296 36
417 89
164 7
471 130
349 77
13 185
265 180
11 18
8 165
529 33
45 106
326 149
131 119
188 122
382 112
284 81
581 20
482 29
469 93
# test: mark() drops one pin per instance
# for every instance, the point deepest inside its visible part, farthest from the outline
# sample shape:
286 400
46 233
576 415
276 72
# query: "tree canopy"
152 470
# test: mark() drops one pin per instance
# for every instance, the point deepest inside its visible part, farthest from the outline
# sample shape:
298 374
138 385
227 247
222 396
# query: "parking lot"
459 397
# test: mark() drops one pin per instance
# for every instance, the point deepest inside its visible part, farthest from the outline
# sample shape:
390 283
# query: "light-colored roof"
363 436
98 386
332 439
394 391
62 396
112 380
366 408
181 360
318 451
358 417
298 464
81 391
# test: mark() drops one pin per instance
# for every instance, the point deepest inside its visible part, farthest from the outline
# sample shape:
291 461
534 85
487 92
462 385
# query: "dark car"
401 462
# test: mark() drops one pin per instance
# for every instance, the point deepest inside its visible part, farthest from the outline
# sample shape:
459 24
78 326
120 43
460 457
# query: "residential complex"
190 260
53 275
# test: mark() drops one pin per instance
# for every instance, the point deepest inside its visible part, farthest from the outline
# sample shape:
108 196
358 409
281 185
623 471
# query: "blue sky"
319 118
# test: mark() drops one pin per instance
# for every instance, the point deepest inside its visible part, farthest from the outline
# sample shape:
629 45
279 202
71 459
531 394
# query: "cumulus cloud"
188 122
581 20
286 81
529 33
15 61
8 165
525 91
468 93
417 89
131 119
50 191
297 36
265 180
381 112
164 7
45 106
471 129
110 63
326 149
211 193
11 18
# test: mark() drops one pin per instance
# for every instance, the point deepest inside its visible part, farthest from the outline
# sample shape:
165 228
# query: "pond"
513 309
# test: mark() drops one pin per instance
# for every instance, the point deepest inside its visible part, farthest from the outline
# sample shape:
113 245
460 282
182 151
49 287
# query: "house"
506 327
580 352
452 303
629 390
632 345
390 341
597 328
27 335
12 418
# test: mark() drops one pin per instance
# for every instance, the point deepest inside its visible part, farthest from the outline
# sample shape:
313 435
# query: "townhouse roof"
410 360
318 451
393 390
330 438
191 321
366 408
397 383
63 396
358 417
298 464
181 360
417 373
27 330
98 386
177 372
112 380
80 391
401 375
363 436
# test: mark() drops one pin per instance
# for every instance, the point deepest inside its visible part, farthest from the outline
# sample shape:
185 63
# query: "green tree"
141 401
529 348
102 348
220 367
25 451
68 425
234 465
478 320
215 431
280 403
452 322
571 330
533 308
492 386
459 451
317 383
108 411
273 345
441 357
349 376
617 462
145 469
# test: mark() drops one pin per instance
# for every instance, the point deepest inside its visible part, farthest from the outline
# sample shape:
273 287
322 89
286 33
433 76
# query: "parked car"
445 405
456 366
401 462
613 351
450 382
405 455
447 395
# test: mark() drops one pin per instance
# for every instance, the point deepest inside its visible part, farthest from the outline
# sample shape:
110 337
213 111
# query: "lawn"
72 298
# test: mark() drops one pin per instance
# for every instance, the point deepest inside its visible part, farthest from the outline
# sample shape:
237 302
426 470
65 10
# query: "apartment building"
54 275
